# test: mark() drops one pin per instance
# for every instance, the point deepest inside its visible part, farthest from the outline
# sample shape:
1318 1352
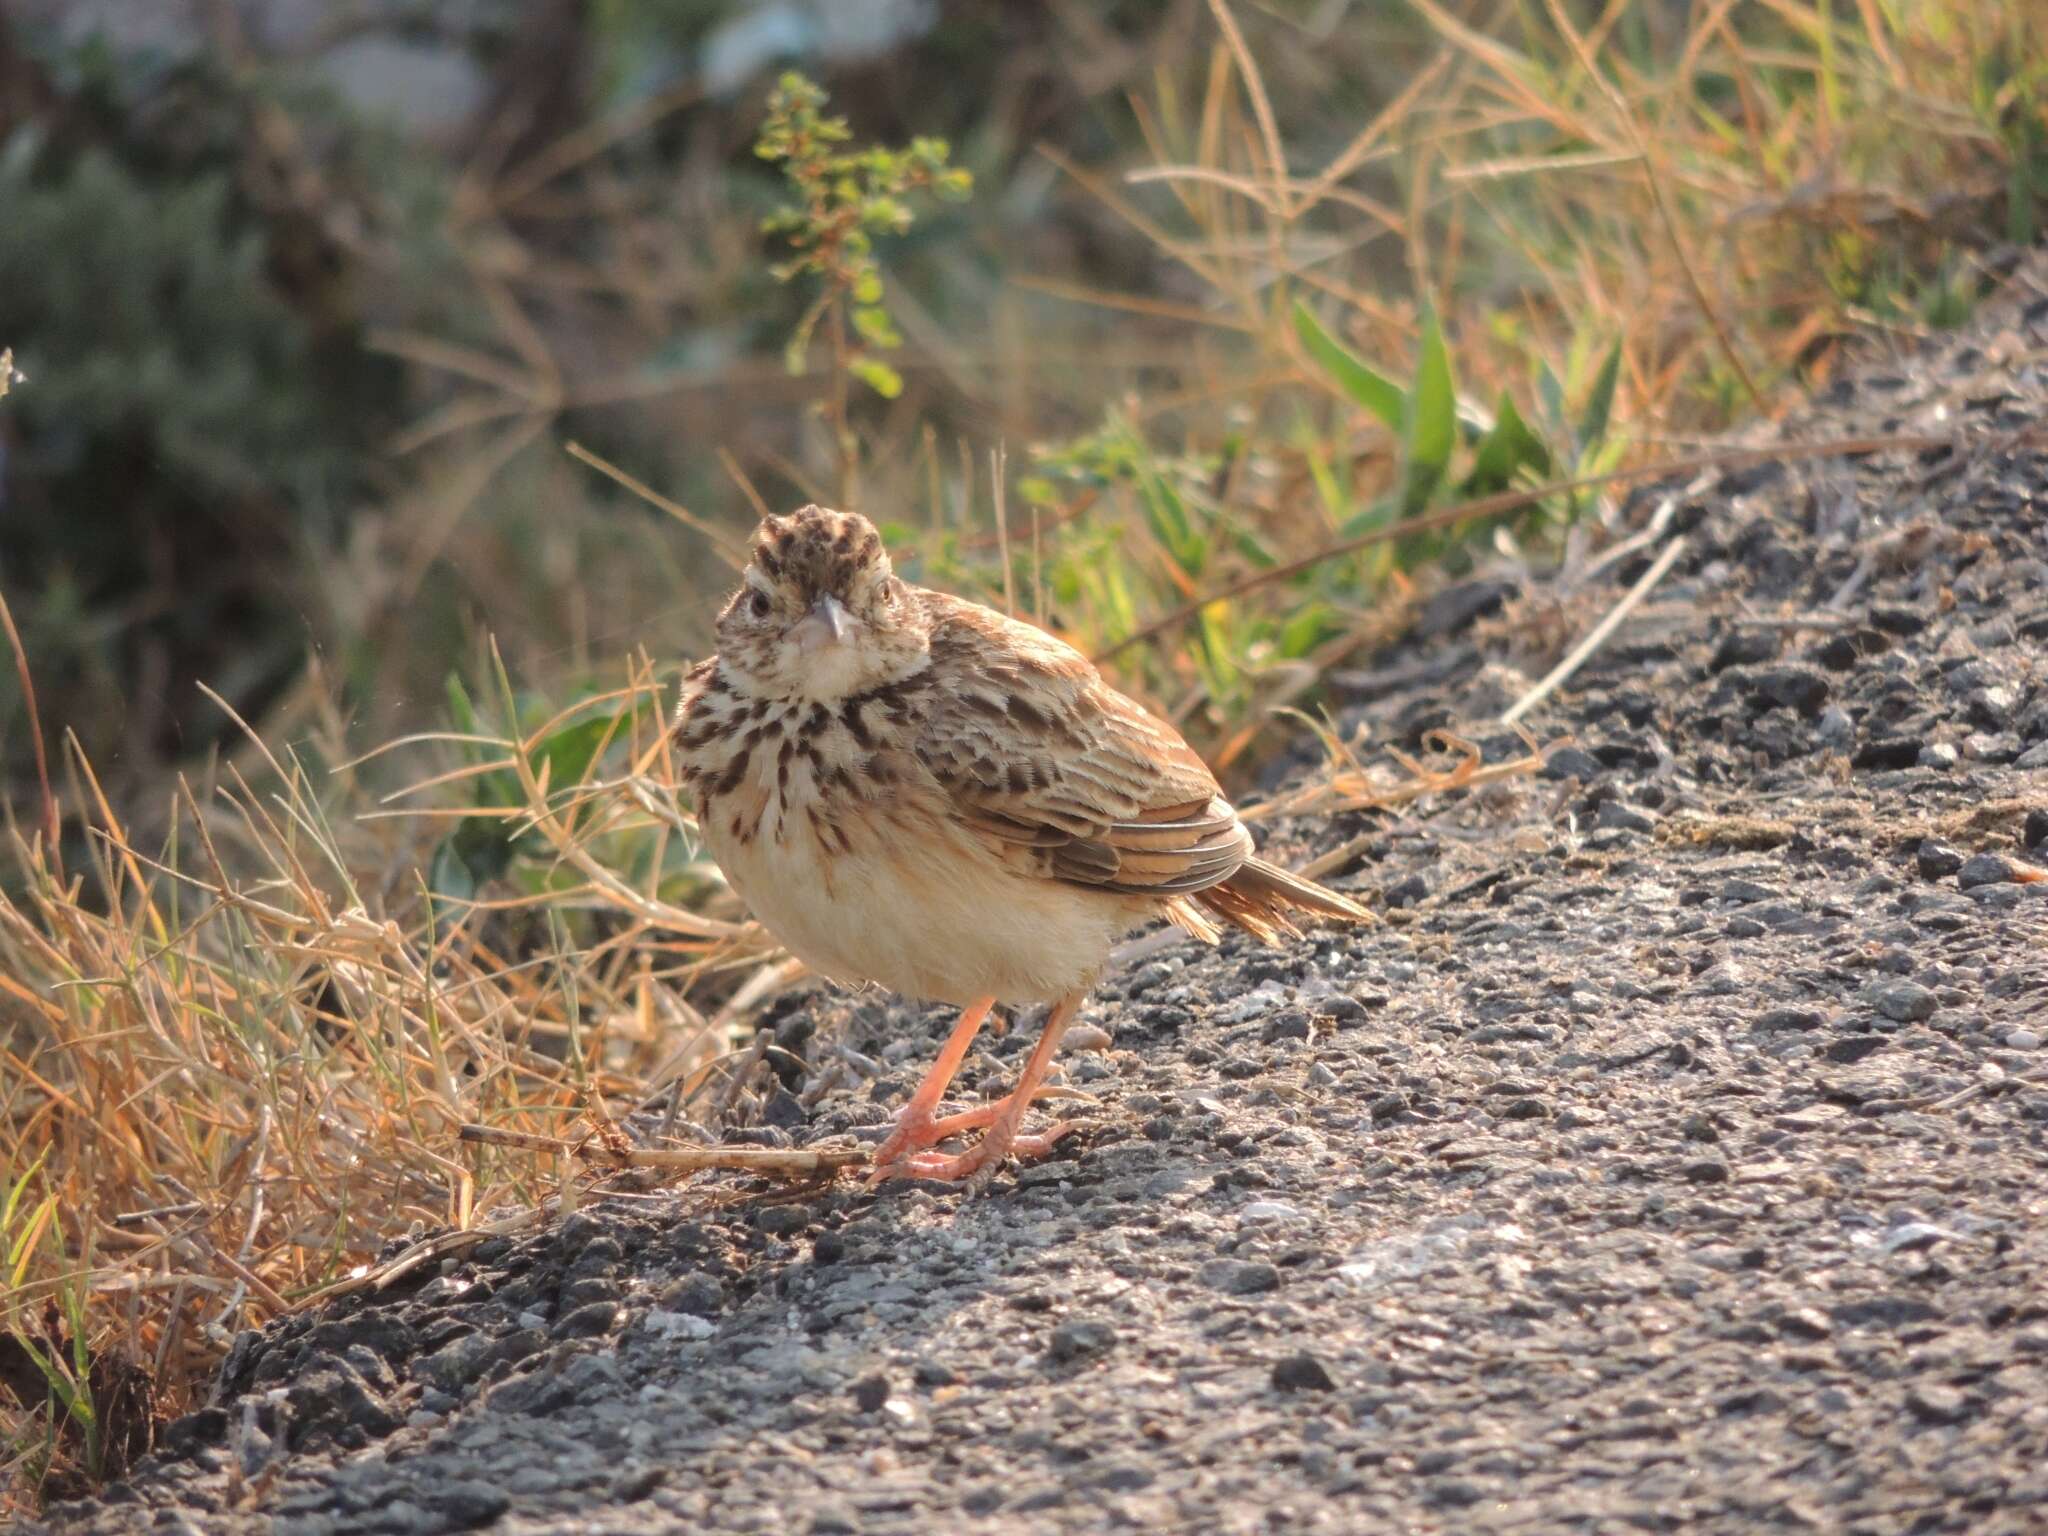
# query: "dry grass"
224 1091
239 1059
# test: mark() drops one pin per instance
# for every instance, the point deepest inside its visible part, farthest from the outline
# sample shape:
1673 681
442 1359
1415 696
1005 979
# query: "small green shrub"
845 198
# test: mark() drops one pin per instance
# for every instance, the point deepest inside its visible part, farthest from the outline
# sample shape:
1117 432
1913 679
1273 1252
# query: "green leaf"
875 327
1308 627
462 712
796 351
1334 494
1507 449
571 750
449 873
31 1237
1550 399
20 1185
1600 404
1431 426
877 375
1374 391
1167 513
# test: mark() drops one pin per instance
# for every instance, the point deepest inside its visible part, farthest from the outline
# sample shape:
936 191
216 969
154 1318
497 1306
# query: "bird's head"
820 615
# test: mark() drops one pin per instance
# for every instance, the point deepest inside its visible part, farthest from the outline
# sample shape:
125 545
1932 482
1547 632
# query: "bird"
911 790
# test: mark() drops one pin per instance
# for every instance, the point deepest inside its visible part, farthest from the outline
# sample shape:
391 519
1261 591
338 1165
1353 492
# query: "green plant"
89 1408
844 199
495 840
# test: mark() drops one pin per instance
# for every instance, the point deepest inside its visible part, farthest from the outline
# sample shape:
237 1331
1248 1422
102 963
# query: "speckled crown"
817 550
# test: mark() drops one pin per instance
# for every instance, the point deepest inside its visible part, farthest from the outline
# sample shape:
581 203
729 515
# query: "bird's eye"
757 605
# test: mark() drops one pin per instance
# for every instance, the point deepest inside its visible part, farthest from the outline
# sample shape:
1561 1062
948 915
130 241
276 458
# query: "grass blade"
1432 419
1350 373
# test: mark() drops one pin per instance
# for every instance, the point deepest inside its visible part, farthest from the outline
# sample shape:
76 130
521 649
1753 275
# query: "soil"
1673 1156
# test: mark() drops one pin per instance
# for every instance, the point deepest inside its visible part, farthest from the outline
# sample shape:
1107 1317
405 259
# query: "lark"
912 790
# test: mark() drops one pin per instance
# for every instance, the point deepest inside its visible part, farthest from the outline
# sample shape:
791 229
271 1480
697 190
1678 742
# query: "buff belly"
928 910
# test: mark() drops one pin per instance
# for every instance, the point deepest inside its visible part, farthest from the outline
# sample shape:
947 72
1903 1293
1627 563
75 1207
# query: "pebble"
1993 746
1905 1002
1935 1404
1991 707
587 1322
1790 1018
1743 891
1078 1338
1986 869
1745 648
870 1392
1895 619
1887 752
1406 893
468 1502
2023 1039
685 1325
1269 1210
1240 1277
1625 818
1302 1372
781 1220
697 1294
1940 754
1913 1236
1792 686
1937 861
1572 763
1806 1323
2034 833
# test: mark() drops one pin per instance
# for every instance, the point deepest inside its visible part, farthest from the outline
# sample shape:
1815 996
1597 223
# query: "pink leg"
915 1127
1002 1139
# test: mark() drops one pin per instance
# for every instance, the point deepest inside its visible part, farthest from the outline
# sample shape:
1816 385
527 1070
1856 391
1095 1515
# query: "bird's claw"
978 1165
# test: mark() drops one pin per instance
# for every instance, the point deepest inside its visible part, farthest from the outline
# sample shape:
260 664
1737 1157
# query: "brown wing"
1039 753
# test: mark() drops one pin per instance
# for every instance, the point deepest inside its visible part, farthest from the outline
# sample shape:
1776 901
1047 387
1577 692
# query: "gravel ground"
1671 1158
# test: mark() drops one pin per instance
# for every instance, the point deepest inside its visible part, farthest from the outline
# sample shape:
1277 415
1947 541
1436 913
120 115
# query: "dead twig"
774 1162
1579 653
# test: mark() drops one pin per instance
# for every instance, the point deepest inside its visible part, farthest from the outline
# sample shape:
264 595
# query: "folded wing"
1039 753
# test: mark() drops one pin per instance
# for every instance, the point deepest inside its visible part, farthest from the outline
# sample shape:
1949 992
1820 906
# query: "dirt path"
1675 1157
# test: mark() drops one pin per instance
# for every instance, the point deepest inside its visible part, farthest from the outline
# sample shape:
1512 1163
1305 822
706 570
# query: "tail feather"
1261 898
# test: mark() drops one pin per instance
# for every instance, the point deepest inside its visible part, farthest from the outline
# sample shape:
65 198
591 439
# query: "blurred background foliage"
311 296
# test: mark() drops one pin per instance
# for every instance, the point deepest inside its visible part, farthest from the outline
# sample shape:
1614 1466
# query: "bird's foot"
917 1130
902 1154
980 1162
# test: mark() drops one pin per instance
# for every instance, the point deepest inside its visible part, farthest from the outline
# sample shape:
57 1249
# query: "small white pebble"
1087 1037
2023 1040
1269 1210
680 1325
1991 1072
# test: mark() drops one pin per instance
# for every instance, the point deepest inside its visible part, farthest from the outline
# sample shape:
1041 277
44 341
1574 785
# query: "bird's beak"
828 623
